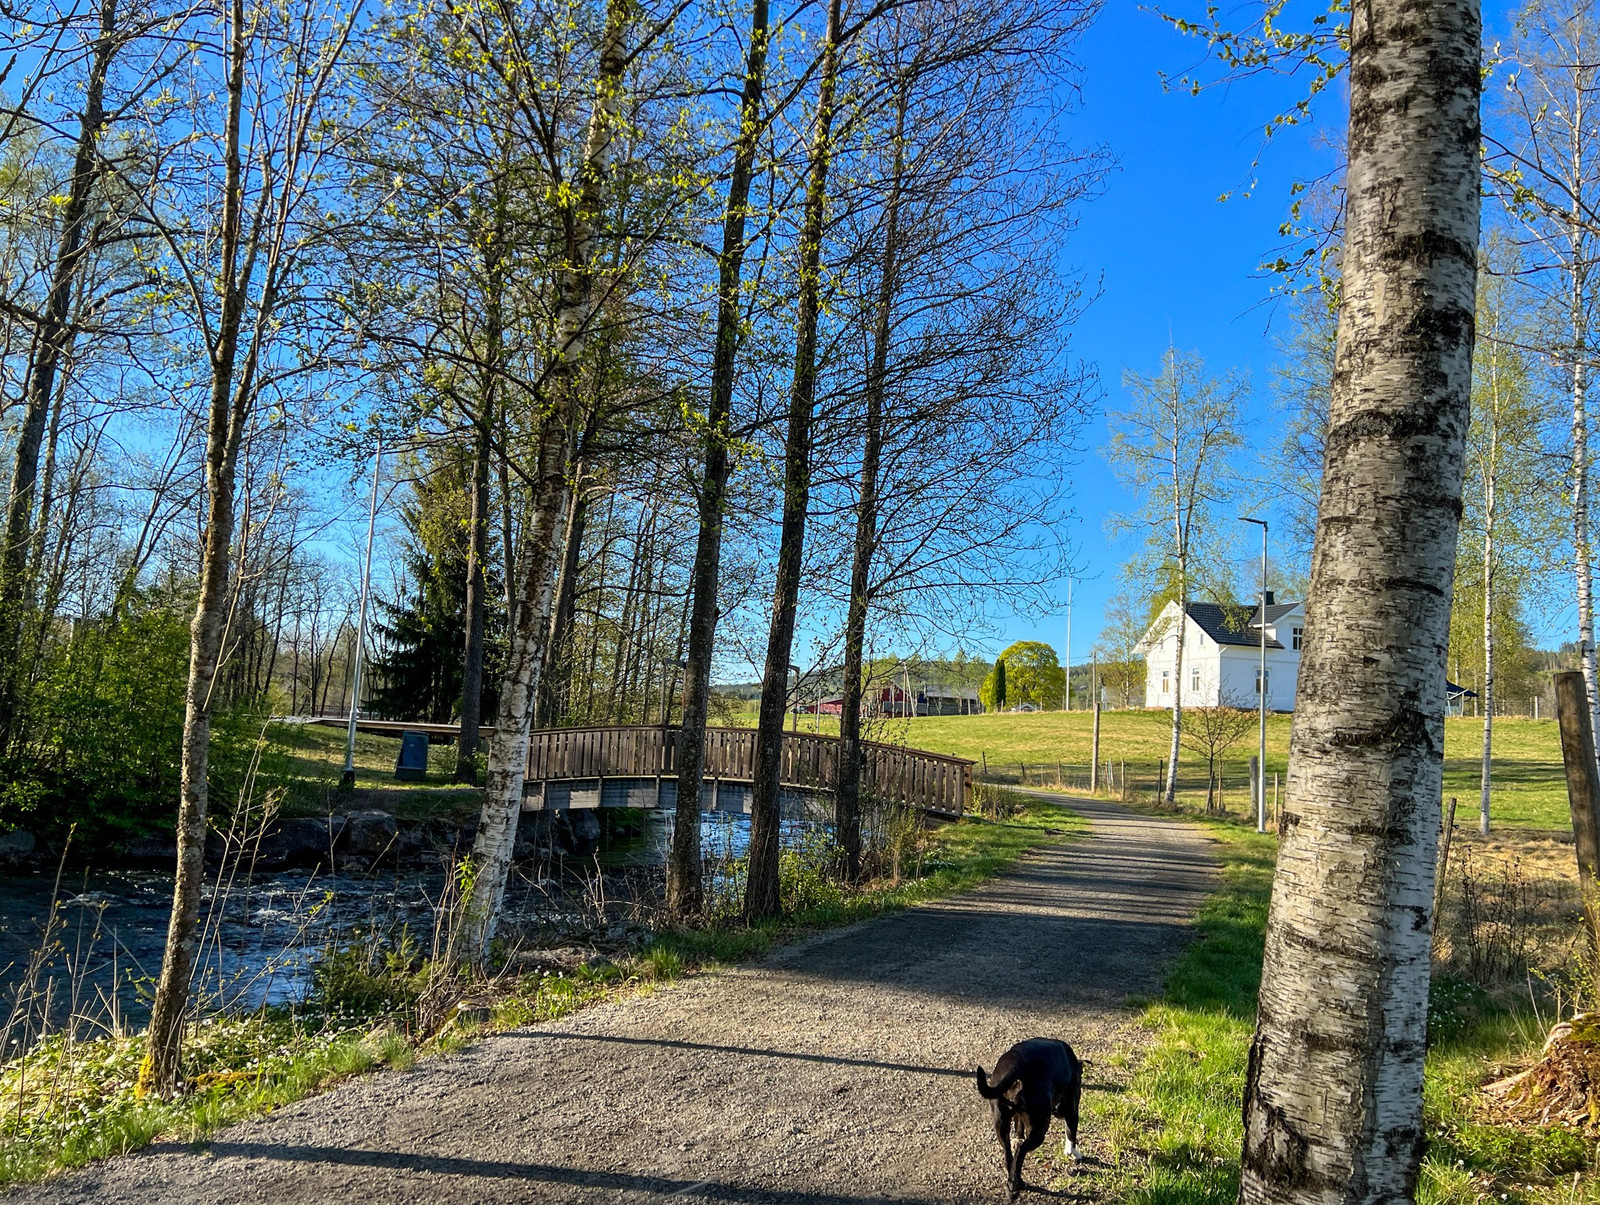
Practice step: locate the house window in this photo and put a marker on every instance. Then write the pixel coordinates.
(1258, 680)
(1194, 679)
(1166, 681)
(1299, 635)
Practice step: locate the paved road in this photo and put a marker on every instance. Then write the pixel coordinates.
(836, 1072)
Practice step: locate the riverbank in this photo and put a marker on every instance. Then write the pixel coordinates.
(73, 1100)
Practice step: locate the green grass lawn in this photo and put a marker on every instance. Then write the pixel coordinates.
(1174, 1133)
(1529, 786)
(309, 759)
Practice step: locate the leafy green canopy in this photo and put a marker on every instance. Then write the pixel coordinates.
(104, 727)
(1026, 672)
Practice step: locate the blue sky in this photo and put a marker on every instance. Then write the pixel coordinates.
(1175, 261)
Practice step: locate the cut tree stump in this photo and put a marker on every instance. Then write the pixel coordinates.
(1563, 1087)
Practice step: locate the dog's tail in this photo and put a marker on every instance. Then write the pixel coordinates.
(993, 1091)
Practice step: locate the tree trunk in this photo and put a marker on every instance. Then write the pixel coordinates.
(761, 883)
(1333, 1094)
(508, 747)
(224, 429)
(847, 799)
(472, 654)
(684, 890)
(553, 691)
(52, 335)
(1580, 494)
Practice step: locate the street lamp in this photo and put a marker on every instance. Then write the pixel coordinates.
(1261, 687)
(1066, 702)
(347, 780)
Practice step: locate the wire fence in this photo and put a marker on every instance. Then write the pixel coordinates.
(1138, 781)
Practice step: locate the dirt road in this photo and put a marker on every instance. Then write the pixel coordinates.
(838, 1071)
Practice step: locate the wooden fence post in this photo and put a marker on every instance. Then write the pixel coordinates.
(1583, 789)
(1449, 819)
(1094, 753)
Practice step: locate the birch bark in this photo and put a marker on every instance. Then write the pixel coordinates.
(541, 550)
(1486, 774)
(1333, 1096)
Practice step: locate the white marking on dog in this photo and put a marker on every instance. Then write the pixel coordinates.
(1069, 1149)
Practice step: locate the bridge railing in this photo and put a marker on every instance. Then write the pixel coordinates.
(810, 761)
(917, 778)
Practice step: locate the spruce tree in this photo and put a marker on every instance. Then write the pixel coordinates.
(417, 672)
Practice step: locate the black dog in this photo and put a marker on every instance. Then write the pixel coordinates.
(1032, 1082)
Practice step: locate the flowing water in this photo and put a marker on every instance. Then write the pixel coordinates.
(263, 934)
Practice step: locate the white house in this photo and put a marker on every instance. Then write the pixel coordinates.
(1222, 655)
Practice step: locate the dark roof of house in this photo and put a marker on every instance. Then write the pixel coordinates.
(1234, 626)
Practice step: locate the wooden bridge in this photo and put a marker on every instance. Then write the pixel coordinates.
(637, 767)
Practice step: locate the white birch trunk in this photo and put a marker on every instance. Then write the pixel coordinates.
(1333, 1099)
(508, 747)
(1580, 497)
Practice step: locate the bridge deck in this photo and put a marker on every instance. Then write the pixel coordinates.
(637, 766)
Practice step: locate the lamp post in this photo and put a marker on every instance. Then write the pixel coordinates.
(347, 780)
(1261, 687)
(1066, 702)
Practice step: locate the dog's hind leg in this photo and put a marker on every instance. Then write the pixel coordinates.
(1002, 1130)
(1069, 1114)
(1032, 1139)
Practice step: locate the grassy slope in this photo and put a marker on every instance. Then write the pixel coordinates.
(1529, 789)
(1174, 1134)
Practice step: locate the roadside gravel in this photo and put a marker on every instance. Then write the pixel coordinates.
(837, 1071)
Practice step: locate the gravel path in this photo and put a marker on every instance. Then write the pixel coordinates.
(838, 1071)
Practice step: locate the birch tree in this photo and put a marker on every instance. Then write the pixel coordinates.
(1507, 524)
(541, 545)
(278, 73)
(1333, 1093)
(1173, 446)
(1543, 156)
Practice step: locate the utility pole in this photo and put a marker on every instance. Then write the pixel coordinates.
(1066, 703)
(347, 780)
(1261, 688)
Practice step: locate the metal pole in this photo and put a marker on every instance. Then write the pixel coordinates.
(1066, 702)
(1261, 688)
(1261, 765)
(347, 780)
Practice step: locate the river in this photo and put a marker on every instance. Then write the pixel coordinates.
(263, 934)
